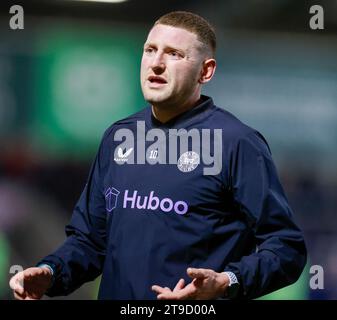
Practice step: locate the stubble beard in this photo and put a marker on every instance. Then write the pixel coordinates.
(159, 99)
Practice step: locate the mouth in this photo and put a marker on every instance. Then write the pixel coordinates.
(156, 80)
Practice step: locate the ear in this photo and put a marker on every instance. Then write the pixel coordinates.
(207, 71)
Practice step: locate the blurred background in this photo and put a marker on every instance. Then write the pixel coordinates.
(74, 69)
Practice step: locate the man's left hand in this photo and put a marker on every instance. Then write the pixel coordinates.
(206, 284)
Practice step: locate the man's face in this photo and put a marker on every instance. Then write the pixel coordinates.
(171, 66)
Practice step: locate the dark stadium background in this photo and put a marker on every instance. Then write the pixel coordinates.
(74, 70)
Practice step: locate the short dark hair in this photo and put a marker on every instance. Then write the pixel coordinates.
(193, 23)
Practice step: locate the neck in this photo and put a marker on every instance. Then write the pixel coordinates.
(166, 113)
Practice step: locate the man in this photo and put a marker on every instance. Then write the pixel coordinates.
(158, 228)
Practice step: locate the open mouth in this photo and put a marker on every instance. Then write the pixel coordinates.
(156, 79)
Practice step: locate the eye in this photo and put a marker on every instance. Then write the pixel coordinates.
(148, 50)
(174, 54)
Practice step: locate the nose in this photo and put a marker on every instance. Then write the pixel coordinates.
(158, 64)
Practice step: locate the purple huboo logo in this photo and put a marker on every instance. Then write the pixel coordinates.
(111, 196)
(151, 202)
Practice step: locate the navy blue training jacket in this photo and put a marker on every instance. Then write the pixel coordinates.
(145, 224)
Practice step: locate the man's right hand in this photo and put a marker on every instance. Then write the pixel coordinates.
(31, 284)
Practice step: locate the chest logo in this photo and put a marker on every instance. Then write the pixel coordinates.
(111, 196)
(122, 156)
(188, 161)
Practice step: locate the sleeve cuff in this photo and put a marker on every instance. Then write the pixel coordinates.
(44, 265)
(232, 278)
(233, 287)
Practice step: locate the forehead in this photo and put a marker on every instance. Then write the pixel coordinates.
(163, 35)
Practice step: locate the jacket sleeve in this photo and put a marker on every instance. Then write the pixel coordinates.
(280, 254)
(81, 257)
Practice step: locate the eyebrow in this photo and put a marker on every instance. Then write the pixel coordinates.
(149, 44)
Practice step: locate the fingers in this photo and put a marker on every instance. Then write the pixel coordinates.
(201, 287)
(179, 285)
(31, 298)
(167, 296)
(18, 296)
(18, 289)
(16, 282)
(32, 272)
(197, 273)
(28, 284)
(179, 292)
(159, 289)
(23, 296)
(182, 294)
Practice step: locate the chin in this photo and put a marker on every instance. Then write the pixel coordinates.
(155, 98)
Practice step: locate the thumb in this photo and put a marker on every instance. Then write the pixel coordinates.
(16, 282)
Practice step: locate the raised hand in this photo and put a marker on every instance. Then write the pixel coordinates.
(206, 284)
(31, 284)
